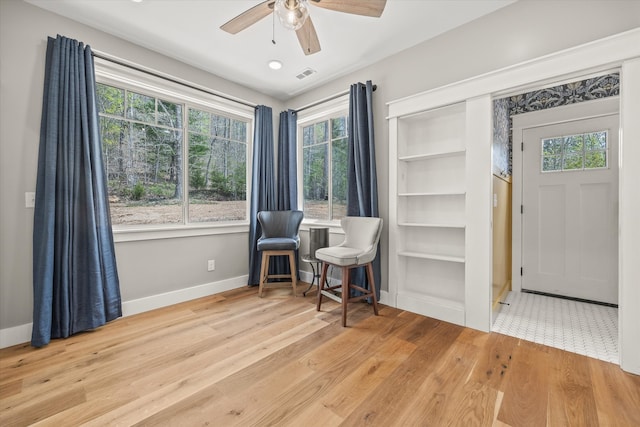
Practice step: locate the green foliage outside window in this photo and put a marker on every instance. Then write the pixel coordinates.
(325, 169)
(575, 152)
(143, 140)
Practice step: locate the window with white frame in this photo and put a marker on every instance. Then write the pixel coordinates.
(575, 152)
(324, 166)
(170, 157)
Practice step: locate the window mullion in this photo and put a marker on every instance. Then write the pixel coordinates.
(330, 174)
(185, 164)
(584, 152)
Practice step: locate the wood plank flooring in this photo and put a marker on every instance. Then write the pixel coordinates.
(234, 359)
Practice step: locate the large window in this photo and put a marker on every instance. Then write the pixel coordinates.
(171, 162)
(324, 168)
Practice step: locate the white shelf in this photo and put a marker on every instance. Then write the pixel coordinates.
(430, 225)
(433, 194)
(435, 257)
(427, 156)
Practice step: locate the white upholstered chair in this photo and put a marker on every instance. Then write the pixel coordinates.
(358, 249)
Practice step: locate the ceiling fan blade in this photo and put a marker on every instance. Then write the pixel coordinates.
(372, 8)
(248, 17)
(308, 38)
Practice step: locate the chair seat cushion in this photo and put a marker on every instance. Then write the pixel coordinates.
(339, 255)
(278, 244)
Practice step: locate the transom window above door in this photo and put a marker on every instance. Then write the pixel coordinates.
(575, 152)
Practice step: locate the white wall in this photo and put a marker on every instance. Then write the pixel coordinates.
(629, 239)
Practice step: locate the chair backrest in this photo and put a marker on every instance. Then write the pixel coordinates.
(280, 223)
(362, 233)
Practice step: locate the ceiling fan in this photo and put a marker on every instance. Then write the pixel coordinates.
(294, 14)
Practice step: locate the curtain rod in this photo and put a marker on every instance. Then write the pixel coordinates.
(133, 67)
(331, 98)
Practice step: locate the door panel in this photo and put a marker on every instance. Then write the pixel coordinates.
(595, 242)
(550, 255)
(569, 224)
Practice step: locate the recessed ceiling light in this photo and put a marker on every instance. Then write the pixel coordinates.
(137, 1)
(275, 64)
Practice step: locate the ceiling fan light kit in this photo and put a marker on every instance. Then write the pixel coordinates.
(294, 15)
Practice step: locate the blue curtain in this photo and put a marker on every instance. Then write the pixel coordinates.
(75, 279)
(287, 164)
(287, 179)
(263, 189)
(362, 184)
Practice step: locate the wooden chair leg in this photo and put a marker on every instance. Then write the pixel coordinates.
(294, 275)
(372, 285)
(345, 294)
(323, 278)
(264, 270)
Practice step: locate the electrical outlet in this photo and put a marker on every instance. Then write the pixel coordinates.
(211, 265)
(29, 200)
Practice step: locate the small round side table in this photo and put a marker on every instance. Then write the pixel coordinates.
(316, 266)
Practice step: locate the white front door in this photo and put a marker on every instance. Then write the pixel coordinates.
(570, 209)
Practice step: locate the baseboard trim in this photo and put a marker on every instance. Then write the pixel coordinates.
(141, 305)
(385, 299)
(16, 335)
(22, 333)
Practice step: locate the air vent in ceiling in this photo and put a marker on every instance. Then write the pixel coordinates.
(306, 73)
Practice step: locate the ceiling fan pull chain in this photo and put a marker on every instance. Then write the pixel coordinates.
(273, 28)
(309, 39)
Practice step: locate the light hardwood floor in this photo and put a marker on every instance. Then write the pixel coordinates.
(235, 359)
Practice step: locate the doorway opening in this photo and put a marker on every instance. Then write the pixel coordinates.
(541, 267)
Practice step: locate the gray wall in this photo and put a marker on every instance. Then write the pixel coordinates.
(524, 30)
(146, 268)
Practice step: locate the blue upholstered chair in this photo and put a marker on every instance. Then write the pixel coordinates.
(359, 248)
(279, 237)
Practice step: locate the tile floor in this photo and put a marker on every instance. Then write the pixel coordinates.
(578, 327)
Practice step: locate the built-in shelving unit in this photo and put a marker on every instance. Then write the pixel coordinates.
(430, 219)
(439, 208)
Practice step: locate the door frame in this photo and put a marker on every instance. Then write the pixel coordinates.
(558, 115)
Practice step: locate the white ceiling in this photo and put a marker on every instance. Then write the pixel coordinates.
(189, 31)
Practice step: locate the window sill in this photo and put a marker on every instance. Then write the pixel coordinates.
(132, 233)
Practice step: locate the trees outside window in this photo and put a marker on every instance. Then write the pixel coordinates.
(170, 163)
(575, 152)
(217, 166)
(324, 168)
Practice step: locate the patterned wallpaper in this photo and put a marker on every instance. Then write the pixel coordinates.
(570, 93)
(501, 137)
